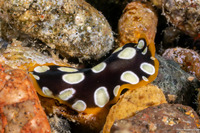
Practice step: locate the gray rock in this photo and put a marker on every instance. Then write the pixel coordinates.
(73, 27)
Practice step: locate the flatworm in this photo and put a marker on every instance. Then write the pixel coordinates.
(91, 89)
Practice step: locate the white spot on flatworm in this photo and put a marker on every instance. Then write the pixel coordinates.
(118, 49)
(73, 78)
(79, 105)
(41, 69)
(129, 77)
(36, 77)
(140, 44)
(67, 69)
(100, 67)
(152, 58)
(101, 96)
(46, 91)
(66, 94)
(116, 90)
(144, 51)
(127, 53)
(147, 68)
(145, 78)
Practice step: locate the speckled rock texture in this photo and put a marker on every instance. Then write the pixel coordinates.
(115, 7)
(177, 85)
(138, 19)
(164, 118)
(188, 59)
(184, 14)
(59, 124)
(133, 101)
(73, 27)
(20, 109)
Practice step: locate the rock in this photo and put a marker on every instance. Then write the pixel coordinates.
(177, 85)
(171, 36)
(133, 101)
(25, 58)
(164, 118)
(138, 19)
(157, 3)
(188, 59)
(59, 124)
(73, 27)
(184, 14)
(115, 10)
(20, 108)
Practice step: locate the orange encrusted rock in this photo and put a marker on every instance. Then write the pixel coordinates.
(133, 101)
(137, 19)
(20, 109)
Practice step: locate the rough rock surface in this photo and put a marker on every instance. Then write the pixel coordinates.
(177, 85)
(73, 27)
(188, 59)
(137, 19)
(20, 109)
(164, 118)
(184, 14)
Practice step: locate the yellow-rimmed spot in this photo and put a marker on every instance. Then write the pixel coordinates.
(66, 94)
(140, 44)
(46, 91)
(129, 77)
(79, 105)
(35, 76)
(100, 67)
(101, 96)
(127, 53)
(73, 78)
(118, 49)
(147, 68)
(145, 78)
(144, 51)
(153, 58)
(67, 69)
(41, 69)
(116, 90)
